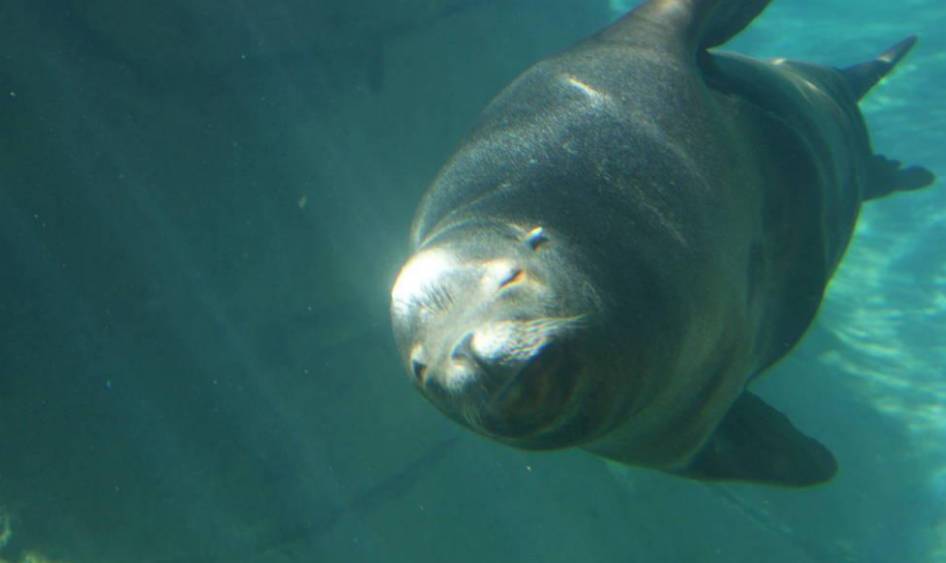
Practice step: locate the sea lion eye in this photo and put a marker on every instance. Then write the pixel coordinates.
(535, 238)
(515, 275)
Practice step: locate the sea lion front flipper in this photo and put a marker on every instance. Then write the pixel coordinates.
(697, 24)
(755, 442)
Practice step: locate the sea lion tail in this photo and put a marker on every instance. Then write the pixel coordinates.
(887, 175)
(862, 77)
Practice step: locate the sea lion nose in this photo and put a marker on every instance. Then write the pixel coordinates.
(485, 352)
(471, 360)
(463, 349)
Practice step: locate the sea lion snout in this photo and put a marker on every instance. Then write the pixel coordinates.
(534, 397)
(488, 323)
(508, 379)
(486, 360)
(510, 383)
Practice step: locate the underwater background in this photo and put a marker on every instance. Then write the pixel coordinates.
(203, 206)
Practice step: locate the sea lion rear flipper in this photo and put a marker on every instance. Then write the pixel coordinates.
(862, 77)
(889, 176)
(755, 442)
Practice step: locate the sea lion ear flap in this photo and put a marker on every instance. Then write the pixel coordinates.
(700, 24)
(757, 443)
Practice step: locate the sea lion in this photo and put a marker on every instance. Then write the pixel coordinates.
(634, 230)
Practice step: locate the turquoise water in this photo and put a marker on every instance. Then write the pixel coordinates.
(202, 210)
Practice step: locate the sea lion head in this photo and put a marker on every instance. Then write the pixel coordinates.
(493, 326)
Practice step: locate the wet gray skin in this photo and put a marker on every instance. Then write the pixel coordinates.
(634, 230)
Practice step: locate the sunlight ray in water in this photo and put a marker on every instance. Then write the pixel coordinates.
(887, 305)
